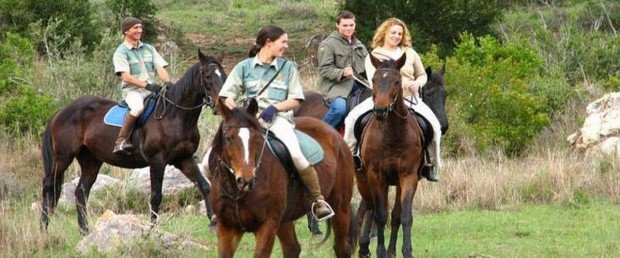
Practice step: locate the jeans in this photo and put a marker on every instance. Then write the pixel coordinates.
(338, 109)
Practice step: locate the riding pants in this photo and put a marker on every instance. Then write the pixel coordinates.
(134, 97)
(285, 131)
(420, 107)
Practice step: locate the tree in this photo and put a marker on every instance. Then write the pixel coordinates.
(431, 21)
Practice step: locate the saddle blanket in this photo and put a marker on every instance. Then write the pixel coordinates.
(116, 115)
(310, 148)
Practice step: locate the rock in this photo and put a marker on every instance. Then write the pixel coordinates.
(68, 189)
(601, 130)
(174, 180)
(113, 231)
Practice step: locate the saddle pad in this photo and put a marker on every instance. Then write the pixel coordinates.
(116, 114)
(310, 148)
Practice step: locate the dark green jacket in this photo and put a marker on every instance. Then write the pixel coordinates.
(336, 53)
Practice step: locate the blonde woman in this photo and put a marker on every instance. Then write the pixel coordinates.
(391, 41)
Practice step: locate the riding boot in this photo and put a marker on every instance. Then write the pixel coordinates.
(320, 208)
(122, 144)
(428, 169)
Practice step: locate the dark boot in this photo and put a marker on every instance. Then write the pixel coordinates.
(320, 208)
(428, 172)
(123, 146)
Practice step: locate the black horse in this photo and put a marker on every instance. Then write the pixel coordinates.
(170, 137)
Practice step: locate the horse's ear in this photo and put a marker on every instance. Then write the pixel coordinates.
(219, 58)
(400, 62)
(222, 108)
(252, 107)
(202, 57)
(429, 71)
(375, 62)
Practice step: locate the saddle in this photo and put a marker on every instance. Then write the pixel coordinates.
(310, 148)
(425, 125)
(116, 114)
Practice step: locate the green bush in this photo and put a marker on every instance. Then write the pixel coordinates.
(578, 38)
(492, 94)
(430, 21)
(29, 111)
(75, 15)
(16, 57)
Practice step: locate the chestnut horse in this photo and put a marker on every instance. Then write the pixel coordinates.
(78, 132)
(253, 192)
(391, 153)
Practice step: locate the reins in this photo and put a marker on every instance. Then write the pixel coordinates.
(236, 197)
(206, 101)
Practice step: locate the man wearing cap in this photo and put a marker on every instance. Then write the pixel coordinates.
(136, 63)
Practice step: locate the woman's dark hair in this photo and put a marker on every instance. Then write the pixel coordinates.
(269, 32)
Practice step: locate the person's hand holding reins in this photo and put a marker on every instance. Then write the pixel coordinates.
(153, 87)
(269, 113)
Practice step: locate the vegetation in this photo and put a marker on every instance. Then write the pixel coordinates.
(518, 75)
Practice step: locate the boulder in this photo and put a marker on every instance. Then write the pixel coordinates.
(600, 132)
(174, 180)
(113, 231)
(68, 189)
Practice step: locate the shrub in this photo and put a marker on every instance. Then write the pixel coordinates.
(29, 111)
(16, 56)
(430, 21)
(17, 15)
(141, 9)
(492, 95)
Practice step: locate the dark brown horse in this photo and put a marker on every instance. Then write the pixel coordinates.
(170, 137)
(253, 192)
(391, 153)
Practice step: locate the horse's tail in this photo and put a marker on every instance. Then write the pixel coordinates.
(52, 183)
(47, 150)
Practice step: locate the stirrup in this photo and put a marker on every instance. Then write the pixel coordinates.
(119, 149)
(357, 161)
(328, 216)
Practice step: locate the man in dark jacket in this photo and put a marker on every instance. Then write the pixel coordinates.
(341, 58)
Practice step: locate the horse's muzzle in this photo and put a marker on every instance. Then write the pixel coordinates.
(245, 185)
(380, 112)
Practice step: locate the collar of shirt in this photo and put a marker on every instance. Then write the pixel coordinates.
(130, 46)
(273, 63)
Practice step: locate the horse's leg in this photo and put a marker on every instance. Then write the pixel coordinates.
(379, 194)
(367, 222)
(190, 169)
(52, 185)
(90, 168)
(265, 237)
(408, 184)
(341, 224)
(395, 224)
(157, 167)
(288, 240)
(227, 241)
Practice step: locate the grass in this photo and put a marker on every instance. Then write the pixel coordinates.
(550, 230)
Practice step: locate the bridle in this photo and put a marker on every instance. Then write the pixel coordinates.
(201, 79)
(232, 194)
(392, 106)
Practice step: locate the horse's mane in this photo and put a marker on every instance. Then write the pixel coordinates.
(183, 87)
